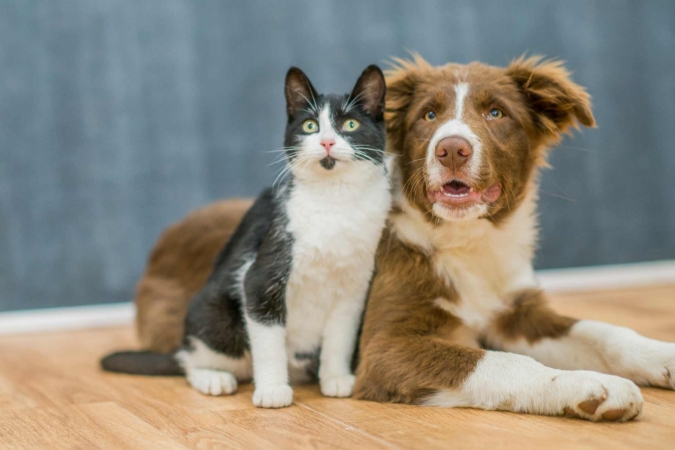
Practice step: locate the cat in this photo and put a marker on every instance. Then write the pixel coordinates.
(285, 300)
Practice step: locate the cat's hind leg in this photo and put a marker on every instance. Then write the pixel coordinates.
(212, 382)
(215, 354)
(211, 372)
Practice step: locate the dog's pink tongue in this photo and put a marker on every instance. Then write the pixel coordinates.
(456, 188)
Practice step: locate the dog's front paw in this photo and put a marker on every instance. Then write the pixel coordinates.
(652, 364)
(599, 397)
(277, 396)
(340, 386)
(669, 376)
(668, 372)
(664, 371)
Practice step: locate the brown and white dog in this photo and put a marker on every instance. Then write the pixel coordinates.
(454, 278)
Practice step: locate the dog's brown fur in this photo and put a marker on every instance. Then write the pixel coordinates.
(393, 333)
(531, 317)
(407, 352)
(178, 266)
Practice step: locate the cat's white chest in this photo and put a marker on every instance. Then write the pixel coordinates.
(336, 230)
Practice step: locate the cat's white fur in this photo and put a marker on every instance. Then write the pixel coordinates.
(336, 218)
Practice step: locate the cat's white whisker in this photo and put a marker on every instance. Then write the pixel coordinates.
(283, 149)
(312, 104)
(352, 102)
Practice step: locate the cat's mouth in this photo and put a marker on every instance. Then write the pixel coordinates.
(327, 163)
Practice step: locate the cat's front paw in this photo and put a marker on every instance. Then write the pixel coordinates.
(340, 386)
(277, 396)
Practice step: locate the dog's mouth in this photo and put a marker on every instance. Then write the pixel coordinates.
(459, 193)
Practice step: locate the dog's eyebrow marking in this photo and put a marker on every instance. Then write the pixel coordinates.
(461, 91)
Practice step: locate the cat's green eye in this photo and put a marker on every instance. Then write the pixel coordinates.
(310, 126)
(350, 125)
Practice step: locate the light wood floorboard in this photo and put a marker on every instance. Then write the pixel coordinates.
(53, 396)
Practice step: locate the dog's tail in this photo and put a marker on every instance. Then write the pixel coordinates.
(142, 363)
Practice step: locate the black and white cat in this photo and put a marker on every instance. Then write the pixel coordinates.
(286, 297)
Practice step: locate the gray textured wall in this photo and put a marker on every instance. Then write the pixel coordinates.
(118, 117)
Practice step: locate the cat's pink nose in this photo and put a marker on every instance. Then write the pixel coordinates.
(327, 144)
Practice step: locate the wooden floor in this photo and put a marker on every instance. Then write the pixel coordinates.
(53, 395)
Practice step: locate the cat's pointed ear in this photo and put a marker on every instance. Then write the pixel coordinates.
(369, 91)
(299, 92)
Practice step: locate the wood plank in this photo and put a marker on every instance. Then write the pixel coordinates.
(54, 395)
(428, 427)
(96, 425)
(53, 375)
(649, 311)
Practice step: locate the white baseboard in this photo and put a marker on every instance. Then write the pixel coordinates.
(557, 280)
(66, 318)
(607, 277)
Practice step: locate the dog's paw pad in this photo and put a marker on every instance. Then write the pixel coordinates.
(273, 396)
(614, 414)
(571, 413)
(340, 386)
(603, 397)
(590, 406)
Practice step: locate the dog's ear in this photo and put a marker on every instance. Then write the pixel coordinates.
(556, 103)
(402, 80)
(299, 92)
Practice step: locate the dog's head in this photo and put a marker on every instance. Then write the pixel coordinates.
(470, 136)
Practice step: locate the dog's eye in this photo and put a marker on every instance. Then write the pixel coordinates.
(495, 113)
(310, 126)
(350, 125)
(430, 116)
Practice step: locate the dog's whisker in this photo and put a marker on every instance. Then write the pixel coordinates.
(557, 196)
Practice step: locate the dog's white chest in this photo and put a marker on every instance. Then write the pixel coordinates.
(485, 275)
(484, 263)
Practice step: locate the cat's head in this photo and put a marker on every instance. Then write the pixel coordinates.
(330, 135)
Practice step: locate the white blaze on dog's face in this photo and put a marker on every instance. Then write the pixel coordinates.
(470, 136)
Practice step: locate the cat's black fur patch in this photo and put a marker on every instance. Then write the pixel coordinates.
(142, 363)
(215, 314)
(311, 360)
(327, 163)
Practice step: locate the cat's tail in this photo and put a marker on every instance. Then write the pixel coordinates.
(142, 363)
